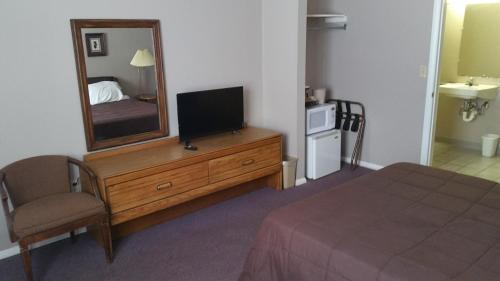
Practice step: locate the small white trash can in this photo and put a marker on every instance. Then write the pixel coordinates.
(289, 171)
(490, 144)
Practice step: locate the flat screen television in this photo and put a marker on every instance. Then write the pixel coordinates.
(209, 112)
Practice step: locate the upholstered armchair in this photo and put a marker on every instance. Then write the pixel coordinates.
(43, 204)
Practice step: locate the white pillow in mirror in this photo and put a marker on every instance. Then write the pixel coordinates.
(105, 91)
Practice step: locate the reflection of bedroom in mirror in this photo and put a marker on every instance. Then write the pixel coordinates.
(122, 92)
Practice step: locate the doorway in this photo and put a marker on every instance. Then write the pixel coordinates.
(463, 107)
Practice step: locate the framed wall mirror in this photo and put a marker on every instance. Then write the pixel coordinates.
(479, 52)
(121, 81)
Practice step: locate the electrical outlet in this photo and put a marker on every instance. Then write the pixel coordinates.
(422, 72)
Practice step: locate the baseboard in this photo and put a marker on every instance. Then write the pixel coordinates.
(14, 250)
(7, 253)
(364, 164)
(300, 181)
(460, 143)
(477, 146)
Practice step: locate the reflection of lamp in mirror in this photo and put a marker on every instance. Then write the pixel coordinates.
(142, 58)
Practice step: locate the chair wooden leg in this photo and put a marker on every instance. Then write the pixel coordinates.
(25, 254)
(72, 237)
(106, 239)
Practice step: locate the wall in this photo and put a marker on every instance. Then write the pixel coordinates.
(452, 38)
(376, 61)
(121, 45)
(206, 44)
(449, 124)
(283, 73)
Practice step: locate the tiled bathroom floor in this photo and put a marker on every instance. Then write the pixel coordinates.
(464, 161)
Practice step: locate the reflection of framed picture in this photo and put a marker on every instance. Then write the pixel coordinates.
(96, 44)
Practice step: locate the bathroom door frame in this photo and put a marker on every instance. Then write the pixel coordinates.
(431, 97)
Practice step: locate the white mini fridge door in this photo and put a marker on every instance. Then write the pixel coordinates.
(323, 153)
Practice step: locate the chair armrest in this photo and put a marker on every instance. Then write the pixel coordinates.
(5, 205)
(90, 173)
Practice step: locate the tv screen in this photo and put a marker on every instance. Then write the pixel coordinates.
(208, 112)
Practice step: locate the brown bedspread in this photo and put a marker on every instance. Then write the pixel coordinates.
(124, 118)
(119, 111)
(404, 222)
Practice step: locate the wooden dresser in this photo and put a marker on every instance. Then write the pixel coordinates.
(146, 184)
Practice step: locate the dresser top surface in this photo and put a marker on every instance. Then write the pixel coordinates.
(130, 159)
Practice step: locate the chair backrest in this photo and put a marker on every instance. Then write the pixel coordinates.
(36, 177)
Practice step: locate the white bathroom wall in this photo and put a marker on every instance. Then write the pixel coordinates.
(450, 126)
(452, 129)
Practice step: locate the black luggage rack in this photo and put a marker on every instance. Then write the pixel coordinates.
(352, 121)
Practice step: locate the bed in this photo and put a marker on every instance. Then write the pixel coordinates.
(122, 116)
(404, 222)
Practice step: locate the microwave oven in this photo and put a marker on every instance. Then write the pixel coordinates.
(320, 118)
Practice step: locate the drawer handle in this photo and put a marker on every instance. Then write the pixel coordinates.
(163, 186)
(248, 162)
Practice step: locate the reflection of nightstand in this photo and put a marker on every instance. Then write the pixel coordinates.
(146, 97)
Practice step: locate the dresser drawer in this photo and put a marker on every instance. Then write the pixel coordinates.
(148, 189)
(244, 162)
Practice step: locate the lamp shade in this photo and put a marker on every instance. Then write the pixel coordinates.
(142, 58)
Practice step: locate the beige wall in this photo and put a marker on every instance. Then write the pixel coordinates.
(283, 64)
(449, 124)
(376, 61)
(206, 44)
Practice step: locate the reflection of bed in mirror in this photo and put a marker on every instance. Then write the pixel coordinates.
(117, 115)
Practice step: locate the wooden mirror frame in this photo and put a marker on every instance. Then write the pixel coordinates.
(78, 45)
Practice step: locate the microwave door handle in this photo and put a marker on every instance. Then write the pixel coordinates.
(308, 120)
(309, 113)
(330, 118)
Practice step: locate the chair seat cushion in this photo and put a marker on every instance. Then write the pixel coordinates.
(53, 211)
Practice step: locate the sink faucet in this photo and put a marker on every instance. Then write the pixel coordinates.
(470, 82)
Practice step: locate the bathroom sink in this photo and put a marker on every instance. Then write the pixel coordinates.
(463, 91)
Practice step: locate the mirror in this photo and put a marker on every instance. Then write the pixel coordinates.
(121, 81)
(479, 51)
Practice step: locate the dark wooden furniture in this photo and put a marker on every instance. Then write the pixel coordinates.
(92, 142)
(146, 98)
(44, 206)
(148, 183)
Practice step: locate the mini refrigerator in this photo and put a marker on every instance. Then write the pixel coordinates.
(323, 153)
